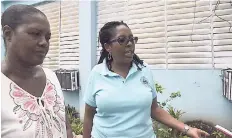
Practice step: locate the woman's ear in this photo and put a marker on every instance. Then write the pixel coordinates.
(7, 33)
(107, 47)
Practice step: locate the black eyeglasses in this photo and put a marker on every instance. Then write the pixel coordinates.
(125, 40)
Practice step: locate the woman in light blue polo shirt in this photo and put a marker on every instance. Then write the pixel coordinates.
(120, 96)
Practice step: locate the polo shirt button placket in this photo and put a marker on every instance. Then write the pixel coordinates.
(123, 80)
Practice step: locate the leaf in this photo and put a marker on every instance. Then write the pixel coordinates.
(45, 118)
(27, 124)
(16, 108)
(175, 94)
(60, 116)
(22, 113)
(57, 124)
(159, 88)
(62, 108)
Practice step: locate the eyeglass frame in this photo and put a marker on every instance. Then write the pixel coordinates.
(135, 40)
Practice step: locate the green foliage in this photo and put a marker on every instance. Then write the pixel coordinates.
(77, 126)
(159, 88)
(218, 134)
(75, 122)
(163, 131)
(160, 130)
(174, 95)
(174, 112)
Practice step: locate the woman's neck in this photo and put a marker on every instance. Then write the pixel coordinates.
(121, 68)
(17, 68)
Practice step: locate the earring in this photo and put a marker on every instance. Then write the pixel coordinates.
(109, 56)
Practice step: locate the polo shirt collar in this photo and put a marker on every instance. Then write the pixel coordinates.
(106, 72)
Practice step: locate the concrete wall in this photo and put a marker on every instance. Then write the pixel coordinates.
(87, 32)
(201, 94)
(72, 98)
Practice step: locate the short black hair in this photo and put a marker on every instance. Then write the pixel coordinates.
(105, 35)
(13, 16)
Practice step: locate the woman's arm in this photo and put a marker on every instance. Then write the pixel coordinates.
(88, 120)
(164, 117)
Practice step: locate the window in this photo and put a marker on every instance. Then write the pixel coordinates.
(64, 43)
(69, 35)
(222, 34)
(109, 11)
(187, 34)
(52, 11)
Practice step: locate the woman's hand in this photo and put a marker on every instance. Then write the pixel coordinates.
(196, 133)
(164, 117)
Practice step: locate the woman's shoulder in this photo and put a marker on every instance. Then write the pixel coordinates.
(147, 69)
(146, 66)
(50, 74)
(98, 69)
(47, 71)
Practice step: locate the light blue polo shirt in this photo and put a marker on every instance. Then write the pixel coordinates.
(123, 105)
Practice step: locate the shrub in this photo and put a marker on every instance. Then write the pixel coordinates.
(163, 131)
(208, 127)
(74, 119)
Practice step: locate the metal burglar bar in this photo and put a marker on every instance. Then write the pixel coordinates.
(227, 83)
(69, 79)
